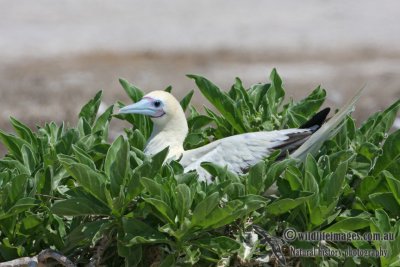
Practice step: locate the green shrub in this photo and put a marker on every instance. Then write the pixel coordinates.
(69, 189)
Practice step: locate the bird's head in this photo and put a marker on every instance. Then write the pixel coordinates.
(160, 106)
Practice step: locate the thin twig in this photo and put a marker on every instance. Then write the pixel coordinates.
(25, 261)
(97, 258)
(52, 254)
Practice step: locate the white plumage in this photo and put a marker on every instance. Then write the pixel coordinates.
(237, 152)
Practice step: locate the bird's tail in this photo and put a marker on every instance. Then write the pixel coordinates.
(317, 120)
(327, 130)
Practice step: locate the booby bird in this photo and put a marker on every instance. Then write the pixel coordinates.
(237, 152)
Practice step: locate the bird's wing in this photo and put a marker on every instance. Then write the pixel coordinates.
(239, 152)
(327, 130)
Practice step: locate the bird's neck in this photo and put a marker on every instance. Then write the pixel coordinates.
(170, 134)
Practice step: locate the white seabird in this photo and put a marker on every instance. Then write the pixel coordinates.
(237, 152)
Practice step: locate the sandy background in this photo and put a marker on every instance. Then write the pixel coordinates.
(54, 55)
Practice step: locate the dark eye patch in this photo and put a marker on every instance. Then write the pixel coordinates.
(157, 103)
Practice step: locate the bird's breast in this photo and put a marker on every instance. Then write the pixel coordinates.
(158, 143)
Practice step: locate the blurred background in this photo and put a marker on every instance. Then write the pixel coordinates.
(54, 55)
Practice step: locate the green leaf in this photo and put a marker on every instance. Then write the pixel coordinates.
(66, 159)
(102, 123)
(381, 222)
(387, 201)
(221, 172)
(276, 169)
(158, 159)
(155, 189)
(224, 215)
(133, 254)
(367, 186)
(14, 164)
(168, 89)
(164, 210)
(235, 190)
(13, 144)
(334, 184)
(183, 201)
(24, 132)
(240, 94)
(254, 181)
(89, 110)
(192, 256)
(136, 139)
(133, 186)
(64, 144)
(368, 150)
(322, 212)
(311, 166)
(348, 224)
(390, 158)
(134, 93)
(186, 178)
(168, 261)
(221, 101)
(221, 245)
(17, 187)
(139, 232)
(284, 205)
(257, 93)
(92, 181)
(186, 100)
(30, 223)
(116, 164)
(198, 122)
(380, 122)
(310, 183)
(83, 234)
(28, 158)
(204, 208)
(232, 211)
(274, 96)
(294, 177)
(394, 185)
(83, 157)
(194, 140)
(79, 207)
(299, 112)
(9, 251)
(21, 205)
(248, 204)
(83, 127)
(224, 127)
(336, 158)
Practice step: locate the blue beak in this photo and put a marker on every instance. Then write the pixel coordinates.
(143, 107)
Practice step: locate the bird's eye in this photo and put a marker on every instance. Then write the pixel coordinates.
(157, 103)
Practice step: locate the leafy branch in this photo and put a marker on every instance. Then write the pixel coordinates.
(70, 189)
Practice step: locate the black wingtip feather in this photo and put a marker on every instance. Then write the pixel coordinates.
(317, 120)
